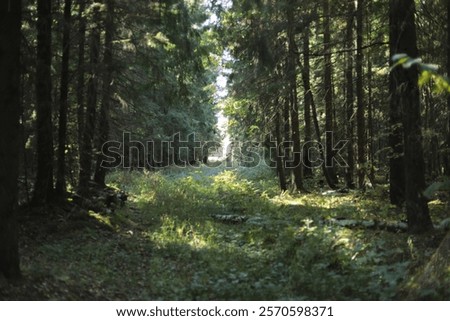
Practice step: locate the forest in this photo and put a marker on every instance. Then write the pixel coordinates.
(224, 150)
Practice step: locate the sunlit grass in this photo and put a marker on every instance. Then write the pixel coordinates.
(284, 244)
(166, 245)
(286, 235)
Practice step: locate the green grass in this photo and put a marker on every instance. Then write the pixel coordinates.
(164, 244)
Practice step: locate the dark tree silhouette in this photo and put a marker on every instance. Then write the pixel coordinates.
(406, 95)
(100, 172)
(60, 187)
(91, 105)
(293, 99)
(81, 70)
(328, 97)
(308, 98)
(360, 113)
(350, 97)
(43, 189)
(10, 23)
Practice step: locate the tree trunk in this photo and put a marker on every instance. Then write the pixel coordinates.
(360, 117)
(432, 282)
(403, 40)
(328, 87)
(280, 154)
(370, 103)
(10, 24)
(370, 147)
(287, 144)
(447, 152)
(91, 106)
(308, 172)
(43, 188)
(81, 72)
(100, 172)
(350, 99)
(396, 157)
(60, 187)
(292, 78)
(306, 79)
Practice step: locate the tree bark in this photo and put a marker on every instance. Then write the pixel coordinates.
(43, 188)
(292, 79)
(447, 153)
(91, 106)
(404, 40)
(360, 117)
(396, 158)
(370, 128)
(431, 282)
(81, 71)
(370, 103)
(100, 172)
(10, 24)
(60, 188)
(328, 87)
(307, 96)
(287, 143)
(280, 154)
(350, 98)
(306, 79)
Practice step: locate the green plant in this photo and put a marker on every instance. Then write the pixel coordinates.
(428, 72)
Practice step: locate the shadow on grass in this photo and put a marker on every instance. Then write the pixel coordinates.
(166, 245)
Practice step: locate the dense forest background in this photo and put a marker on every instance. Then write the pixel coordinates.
(345, 102)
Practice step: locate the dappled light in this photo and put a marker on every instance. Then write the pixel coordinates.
(285, 250)
(224, 150)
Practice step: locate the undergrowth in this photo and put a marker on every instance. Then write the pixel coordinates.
(166, 245)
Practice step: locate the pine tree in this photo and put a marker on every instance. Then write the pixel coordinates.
(10, 35)
(403, 40)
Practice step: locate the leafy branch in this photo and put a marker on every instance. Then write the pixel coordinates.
(441, 84)
(428, 72)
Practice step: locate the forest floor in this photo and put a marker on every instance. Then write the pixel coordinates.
(217, 234)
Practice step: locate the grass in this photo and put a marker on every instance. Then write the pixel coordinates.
(164, 244)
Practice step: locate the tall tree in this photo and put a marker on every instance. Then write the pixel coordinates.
(287, 146)
(308, 98)
(350, 97)
(305, 69)
(370, 108)
(447, 154)
(396, 158)
(10, 23)
(328, 97)
(91, 104)
(293, 99)
(360, 115)
(81, 69)
(403, 39)
(280, 159)
(60, 187)
(43, 188)
(100, 171)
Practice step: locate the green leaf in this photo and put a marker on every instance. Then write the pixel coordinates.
(429, 67)
(410, 62)
(397, 57)
(425, 77)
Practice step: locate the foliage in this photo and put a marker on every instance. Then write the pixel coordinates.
(164, 67)
(166, 75)
(164, 245)
(428, 72)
